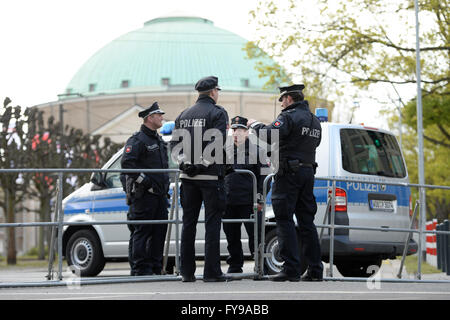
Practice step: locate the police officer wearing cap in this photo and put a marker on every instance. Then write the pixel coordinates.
(146, 193)
(292, 191)
(202, 177)
(243, 155)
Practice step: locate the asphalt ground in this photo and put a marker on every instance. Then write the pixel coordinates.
(382, 287)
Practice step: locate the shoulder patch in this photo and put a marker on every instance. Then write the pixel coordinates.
(128, 148)
(277, 123)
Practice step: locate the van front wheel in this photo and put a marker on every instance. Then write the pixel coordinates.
(84, 253)
(273, 263)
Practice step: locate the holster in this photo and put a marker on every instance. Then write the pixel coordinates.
(293, 165)
(288, 166)
(129, 189)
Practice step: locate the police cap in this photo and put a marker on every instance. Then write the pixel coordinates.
(290, 89)
(239, 122)
(154, 108)
(207, 83)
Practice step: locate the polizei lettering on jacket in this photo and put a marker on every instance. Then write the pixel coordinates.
(189, 123)
(315, 133)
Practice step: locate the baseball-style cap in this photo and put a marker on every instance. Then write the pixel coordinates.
(207, 83)
(239, 122)
(290, 89)
(154, 108)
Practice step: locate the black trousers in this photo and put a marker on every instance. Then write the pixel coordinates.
(292, 193)
(146, 246)
(193, 194)
(233, 233)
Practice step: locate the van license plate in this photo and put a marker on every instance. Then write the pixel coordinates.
(384, 205)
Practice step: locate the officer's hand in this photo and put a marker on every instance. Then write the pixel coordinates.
(190, 170)
(228, 169)
(259, 206)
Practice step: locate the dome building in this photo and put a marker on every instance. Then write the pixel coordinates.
(161, 62)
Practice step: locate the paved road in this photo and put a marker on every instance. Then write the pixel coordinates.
(245, 289)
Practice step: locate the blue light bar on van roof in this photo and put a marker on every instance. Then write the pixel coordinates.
(322, 114)
(167, 127)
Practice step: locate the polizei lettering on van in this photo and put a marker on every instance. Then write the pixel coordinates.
(358, 186)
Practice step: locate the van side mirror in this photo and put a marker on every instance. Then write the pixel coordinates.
(98, 180)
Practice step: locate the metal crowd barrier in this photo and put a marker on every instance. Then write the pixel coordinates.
(59, 224)
(332, 226)
(259, 248)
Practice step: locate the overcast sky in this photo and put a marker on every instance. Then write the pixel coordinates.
(43, 43)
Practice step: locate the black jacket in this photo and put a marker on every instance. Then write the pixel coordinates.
(146, 149)
(239, 186)
(299, 132)
(203, 115)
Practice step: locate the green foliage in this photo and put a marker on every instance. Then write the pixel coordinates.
(30, 141)
(339, 47)
(336, 45)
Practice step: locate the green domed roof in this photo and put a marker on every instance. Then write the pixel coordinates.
(168, 53)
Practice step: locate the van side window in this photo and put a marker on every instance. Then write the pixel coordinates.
(112, 179)
(371, 152)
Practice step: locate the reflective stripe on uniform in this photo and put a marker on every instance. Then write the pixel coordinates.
(199, 177)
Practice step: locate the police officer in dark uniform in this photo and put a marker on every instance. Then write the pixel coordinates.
(202, 127)
(300, 134)
(243, 155)
(146, 193)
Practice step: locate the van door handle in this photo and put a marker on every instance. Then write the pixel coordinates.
(384, 227)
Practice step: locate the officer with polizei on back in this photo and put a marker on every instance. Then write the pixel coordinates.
(292, 191)
(146, 193)
(202, 127)
(243, 155)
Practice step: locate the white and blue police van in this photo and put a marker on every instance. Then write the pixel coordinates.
(346, 151)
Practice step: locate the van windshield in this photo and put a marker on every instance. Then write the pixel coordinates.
(371, 152)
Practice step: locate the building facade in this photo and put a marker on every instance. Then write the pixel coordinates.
(161, 62)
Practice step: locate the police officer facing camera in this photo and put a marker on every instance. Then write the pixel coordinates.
(202, 178)
(146, 193)
(292, 191)
(243, 155)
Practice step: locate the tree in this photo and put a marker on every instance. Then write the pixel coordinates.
(436, 151)
(341, 47)
(337, 47)
(13, 154)
(28, 142)
(51, 148)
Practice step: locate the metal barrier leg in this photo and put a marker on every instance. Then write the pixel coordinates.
(447, 247)
(419, 263)
(257, 268)
(331, 258)
(263, 227)
(177, 225)
(443, 249)
(169, 231)
(438, 248)
(327, 213)
(52, 247)
(408, 238)
(60, 225)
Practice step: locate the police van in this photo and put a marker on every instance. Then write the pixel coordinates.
(346, 151)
